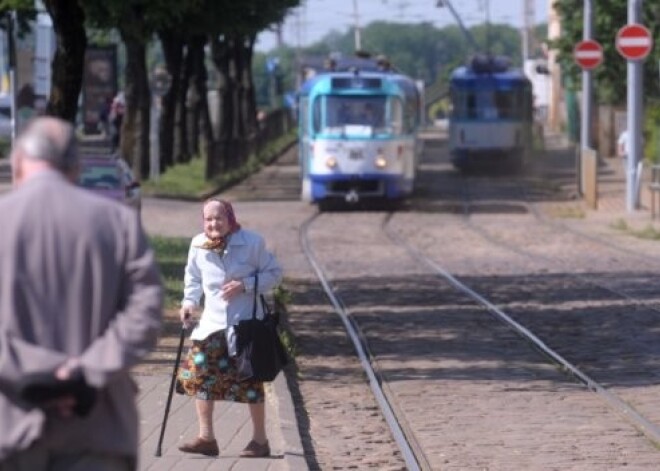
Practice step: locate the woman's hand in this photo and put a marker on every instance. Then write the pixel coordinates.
(231, 289)
(186, 316)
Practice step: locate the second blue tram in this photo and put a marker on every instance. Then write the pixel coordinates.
(492, 115)
(358, 136)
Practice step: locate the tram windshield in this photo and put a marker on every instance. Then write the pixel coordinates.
(489, 104)
(359, 116)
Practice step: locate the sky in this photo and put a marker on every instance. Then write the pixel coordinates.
(315, 18)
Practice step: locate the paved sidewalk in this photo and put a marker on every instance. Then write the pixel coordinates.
(232, 421)
(611, 204)
(232, 426)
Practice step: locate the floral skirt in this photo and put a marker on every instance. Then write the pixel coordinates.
(209, 373)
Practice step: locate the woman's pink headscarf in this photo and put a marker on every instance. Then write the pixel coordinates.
(226, 208)
(220, 244)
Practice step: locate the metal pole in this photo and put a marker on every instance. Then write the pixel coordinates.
(154, 164)
(466, 32)
(586, 140)
(11, 23)
(356, 15)
(635, 116)
(525, 33)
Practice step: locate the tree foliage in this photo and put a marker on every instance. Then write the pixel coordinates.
(608, 17)
(419, 50)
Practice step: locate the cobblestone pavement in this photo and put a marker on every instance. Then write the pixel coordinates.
(476, 396)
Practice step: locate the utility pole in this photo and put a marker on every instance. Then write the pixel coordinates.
(528, 24)
(586, 140)
(11, 49)
(356, 18)
(635, 115)
(278, 35)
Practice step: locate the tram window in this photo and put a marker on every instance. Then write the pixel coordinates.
(316, 115)
(471, 101)
(354, 110)
(304, 105)
(396, 117)
(410, 116)
(504, 102)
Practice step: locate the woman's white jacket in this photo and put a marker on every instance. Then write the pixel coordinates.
(207, 271)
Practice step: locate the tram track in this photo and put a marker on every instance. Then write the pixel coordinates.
(558, 261)
(410, 446)
(648, 428)
(623, 406)
(411, 452)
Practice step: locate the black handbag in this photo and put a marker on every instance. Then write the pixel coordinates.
(260, 354)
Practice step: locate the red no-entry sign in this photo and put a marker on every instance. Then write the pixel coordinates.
(588, 54)
(634, 42)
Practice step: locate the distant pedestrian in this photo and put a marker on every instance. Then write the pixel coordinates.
(117, 111)
(104, 117)
(622, 145)
(223, 262)
(80, 304)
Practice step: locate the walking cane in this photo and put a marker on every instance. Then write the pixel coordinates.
(169, 396)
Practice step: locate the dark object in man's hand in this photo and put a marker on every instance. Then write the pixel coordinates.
(41, 388)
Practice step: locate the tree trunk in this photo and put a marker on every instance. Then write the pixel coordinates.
(172, 44)
(200, 79)
(241, 129)
(220, 52)
(183, 130)
(251, 93)
(135, 127)
(237, 149)
(68, 64)
(195, 49)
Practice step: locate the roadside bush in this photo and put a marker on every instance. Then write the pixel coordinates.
(652, 131)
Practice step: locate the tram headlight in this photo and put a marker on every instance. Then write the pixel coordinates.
(380, 161)
(331, 162)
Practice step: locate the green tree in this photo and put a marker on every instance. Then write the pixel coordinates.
(609, 17)
(419, 50)
(136, 21)
(232, 28)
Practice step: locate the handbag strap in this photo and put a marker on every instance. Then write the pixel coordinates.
(256, 288)
(257, 297)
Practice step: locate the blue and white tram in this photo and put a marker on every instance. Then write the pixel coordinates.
(492, 114)
(358, 136)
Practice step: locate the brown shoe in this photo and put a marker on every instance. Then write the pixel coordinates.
(254, 450)
(201, 446)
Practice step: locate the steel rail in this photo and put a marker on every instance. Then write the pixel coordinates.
(414, 461)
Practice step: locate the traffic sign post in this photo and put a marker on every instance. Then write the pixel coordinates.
(634, 42)
(588, 54)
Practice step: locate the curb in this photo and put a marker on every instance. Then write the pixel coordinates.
(294, 455)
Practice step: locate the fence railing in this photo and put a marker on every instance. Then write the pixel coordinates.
(236, 152)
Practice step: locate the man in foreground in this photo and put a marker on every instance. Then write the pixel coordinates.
(80, 303)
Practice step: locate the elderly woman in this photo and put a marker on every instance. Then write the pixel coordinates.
(223, 264)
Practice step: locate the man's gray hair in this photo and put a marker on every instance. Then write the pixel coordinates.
(50, 140)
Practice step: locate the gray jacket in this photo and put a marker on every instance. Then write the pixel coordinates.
(77, 278)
